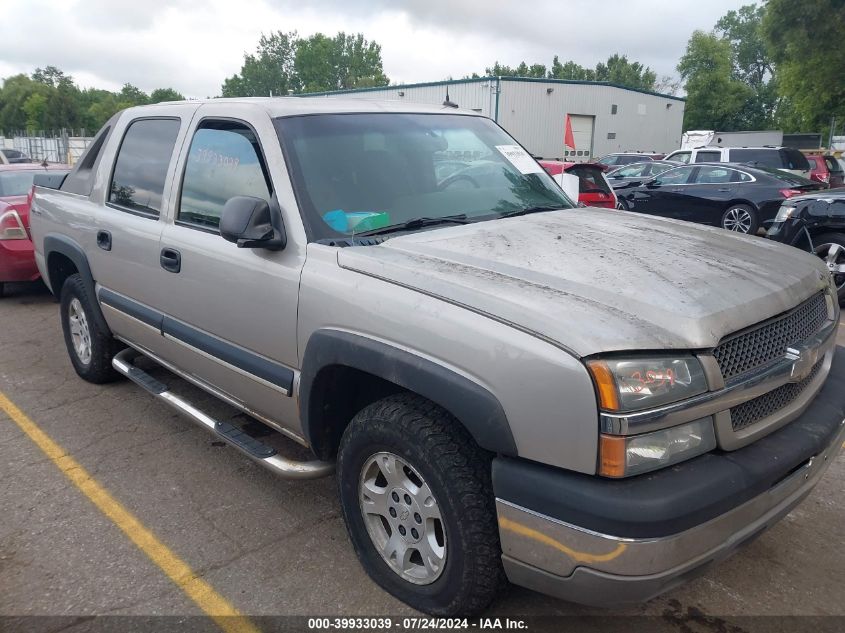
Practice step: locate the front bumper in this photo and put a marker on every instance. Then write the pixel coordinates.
(17, 261)
(612, 542)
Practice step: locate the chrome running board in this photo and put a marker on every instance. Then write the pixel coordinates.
(253, 448)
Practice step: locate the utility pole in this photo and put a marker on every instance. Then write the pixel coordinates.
(832, 131)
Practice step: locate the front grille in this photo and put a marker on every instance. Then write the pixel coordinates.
(747, 351)
(763, 406)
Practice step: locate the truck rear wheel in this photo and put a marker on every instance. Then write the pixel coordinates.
(90, 349)
(419, 507)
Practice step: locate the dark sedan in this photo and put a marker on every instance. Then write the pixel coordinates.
(735, 197)
(815, 222)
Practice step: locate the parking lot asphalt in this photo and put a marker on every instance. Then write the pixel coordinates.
(266, 545)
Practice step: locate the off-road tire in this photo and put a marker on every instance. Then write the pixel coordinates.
(103, 345)
(458, 473)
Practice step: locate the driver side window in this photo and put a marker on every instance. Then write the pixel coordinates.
(224, 161)
(632, 171)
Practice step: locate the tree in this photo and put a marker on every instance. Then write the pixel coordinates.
(165, 94)
(751, 64)
(804, 40)
(35, 108)
(338, 63)
(618, 70)
(570, 70)
(714, 97)
(269, 71)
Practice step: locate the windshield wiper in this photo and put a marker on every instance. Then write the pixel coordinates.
(527, 210)
(417, 223)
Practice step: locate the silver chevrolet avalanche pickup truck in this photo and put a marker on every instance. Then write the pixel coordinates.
(593, 404)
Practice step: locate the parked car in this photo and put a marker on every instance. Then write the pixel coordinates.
(785, 159)
(637, 173)
(17, 261)
(593, 188)
(735, 197)
(13, 156)
(625, 158)
(815, 222)
(577, 400)
(826, 170)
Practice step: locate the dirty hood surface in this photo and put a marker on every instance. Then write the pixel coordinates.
(592, 280)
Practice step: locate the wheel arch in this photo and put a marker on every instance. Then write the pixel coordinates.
(64, 257)
(342, 372)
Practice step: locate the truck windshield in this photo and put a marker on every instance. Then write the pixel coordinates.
(356, 173)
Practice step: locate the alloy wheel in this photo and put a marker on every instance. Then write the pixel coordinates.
(834, 256)
(79, 332)
(402, 518)
(737, 219)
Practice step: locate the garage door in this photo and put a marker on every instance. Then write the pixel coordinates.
(582, 131)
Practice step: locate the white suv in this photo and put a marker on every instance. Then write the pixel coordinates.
(782, 158)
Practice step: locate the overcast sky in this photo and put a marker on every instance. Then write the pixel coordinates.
(193, 45)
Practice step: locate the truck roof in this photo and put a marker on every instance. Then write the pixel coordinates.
(288, 106)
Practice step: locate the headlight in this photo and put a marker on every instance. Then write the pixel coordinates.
(626, 385)
(623, 456)
(784, 213)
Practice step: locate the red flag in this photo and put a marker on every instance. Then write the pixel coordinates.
(568, 136)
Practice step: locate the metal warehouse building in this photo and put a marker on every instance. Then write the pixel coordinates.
(605, 117)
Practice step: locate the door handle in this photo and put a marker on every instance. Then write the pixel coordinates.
(676, 190)
(723, 190)
(104, 240)
(171, 260)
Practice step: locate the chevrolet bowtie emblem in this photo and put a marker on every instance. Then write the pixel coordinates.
(804, 361)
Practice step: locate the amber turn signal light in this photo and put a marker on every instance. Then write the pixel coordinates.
(605, 385)
(611, 456)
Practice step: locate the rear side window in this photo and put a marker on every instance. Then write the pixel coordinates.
(708, 157)
(590, 180)
(832, 164)
(714, 175)
(224, 161)
(762, 157)
(793, 159)
(140, 170)
(813, 164)
(681, 157)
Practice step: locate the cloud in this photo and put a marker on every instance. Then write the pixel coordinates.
(193, 45)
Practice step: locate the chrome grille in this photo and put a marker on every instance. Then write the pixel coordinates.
(748, 413)
(747, 351)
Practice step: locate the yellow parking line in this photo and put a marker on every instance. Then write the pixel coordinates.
(203, 594)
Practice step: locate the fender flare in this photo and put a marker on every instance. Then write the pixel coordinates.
(473, 405)
(56, 243)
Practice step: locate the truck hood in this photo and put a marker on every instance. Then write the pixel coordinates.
(594, 280)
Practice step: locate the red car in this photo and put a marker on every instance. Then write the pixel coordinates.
(17, 259)
(593, 188)
(827, 170)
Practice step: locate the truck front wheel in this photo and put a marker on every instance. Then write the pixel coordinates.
(418, 503)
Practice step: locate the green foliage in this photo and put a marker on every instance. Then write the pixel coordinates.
(49, 100)
(338, 63)
(805, 42)
(286, 64)
(714, 97)
(165, 94)
(570, 70)
(269, 71)
(617, 70)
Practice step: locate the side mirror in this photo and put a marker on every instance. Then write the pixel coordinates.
(253, 223)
